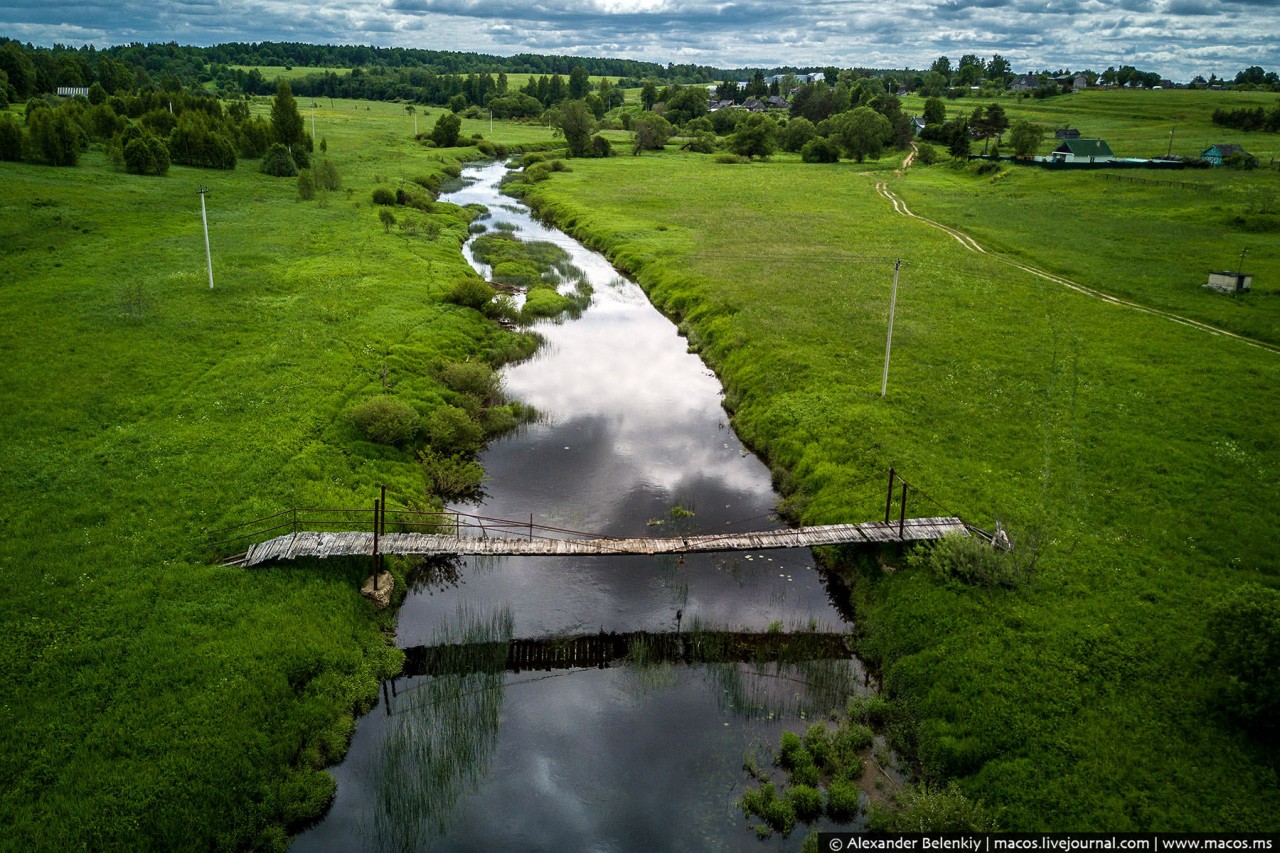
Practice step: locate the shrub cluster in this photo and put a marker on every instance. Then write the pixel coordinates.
(385, 419)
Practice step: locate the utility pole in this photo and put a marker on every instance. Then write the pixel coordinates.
(313, 122)
(888, 344)
(491, 122)
(202, 189)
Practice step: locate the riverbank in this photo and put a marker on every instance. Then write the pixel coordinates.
(1079, 699)
(154, 699)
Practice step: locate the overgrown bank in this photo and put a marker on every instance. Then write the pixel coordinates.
(1082, 698)
(154, 699)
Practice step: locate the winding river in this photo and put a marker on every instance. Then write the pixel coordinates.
(649, 754)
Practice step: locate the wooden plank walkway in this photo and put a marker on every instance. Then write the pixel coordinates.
(312, 544)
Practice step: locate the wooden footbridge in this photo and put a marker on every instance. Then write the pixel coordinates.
(324, 533)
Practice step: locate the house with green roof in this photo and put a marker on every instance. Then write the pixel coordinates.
(1215, 154)
(1082, 151)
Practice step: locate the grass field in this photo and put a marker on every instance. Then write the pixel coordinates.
(1151, 237)
(1142, 454)
(1135, 123)
(153, 700)
(156, 700)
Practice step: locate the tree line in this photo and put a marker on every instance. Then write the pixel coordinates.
(1246, 118)
(145, 133)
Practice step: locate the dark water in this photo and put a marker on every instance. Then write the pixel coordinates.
(633, 442)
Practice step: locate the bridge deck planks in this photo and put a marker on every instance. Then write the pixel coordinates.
(347, 544)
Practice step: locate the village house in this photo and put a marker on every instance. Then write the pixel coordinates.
(1216, 154)
(1082, 151)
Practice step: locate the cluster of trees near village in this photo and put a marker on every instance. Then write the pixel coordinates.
(145, 132)
(151, 105)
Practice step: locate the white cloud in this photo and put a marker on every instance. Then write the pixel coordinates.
(1178, 38)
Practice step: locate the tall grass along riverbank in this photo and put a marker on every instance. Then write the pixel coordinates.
(1134, 456)
(153, 699)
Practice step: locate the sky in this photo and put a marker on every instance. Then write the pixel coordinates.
(1176, 38)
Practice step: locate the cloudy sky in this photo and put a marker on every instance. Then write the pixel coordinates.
(1178, 38)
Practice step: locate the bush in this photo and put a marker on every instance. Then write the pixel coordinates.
(777, 812)
(872, 710)
(817, 741)
(452, 477)
(728, 158)
(474, 378)
(923, 809)
(146, 155)
(306, 185)
(10, 139)
(55, 138)
(842, 801)
(600, 147)
(792, 752)
(430, 183)
(470, 293)
(450, 430)
(1244, 633)
(326, 175)
(806, 802)
(255, 137)
(820, 150)
(537, 173)
(926, 154)
(968, 560)
(278, 162)
(385, 420)
(383, 195)
(702, 143)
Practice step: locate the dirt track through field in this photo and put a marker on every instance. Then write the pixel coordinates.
(972, 245)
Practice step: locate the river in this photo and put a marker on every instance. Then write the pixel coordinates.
(632, 441)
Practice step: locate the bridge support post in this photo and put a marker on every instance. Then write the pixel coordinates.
(902, 517)
(888, 502)
(377, 519)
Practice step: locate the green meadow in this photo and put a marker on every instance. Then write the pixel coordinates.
(152, 698)
(156, 699)
(1150, 237)
(1134, 122)
(1135, 458)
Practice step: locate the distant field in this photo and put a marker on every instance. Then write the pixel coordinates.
(286, 72)
(1135, 123)
(1131, 233)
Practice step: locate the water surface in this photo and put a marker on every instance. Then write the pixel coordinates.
(633, 441)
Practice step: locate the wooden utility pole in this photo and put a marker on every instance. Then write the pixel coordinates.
(202, 189)
(888, 344)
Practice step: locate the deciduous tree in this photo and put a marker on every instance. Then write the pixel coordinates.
(1025, 138)
(574, 121)
(862, 133)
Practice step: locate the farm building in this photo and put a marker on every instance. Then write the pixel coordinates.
(1066, 133)
(73, 91)
(1215, 154)
(1082, 151)
(1229, 281)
